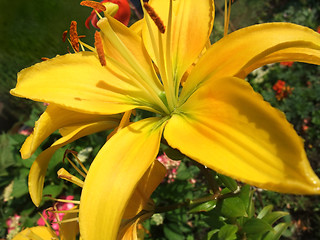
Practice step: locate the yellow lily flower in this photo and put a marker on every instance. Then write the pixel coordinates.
(36, 233)
(140, 206)
(68, 231)
(215, 118)
(72, 126)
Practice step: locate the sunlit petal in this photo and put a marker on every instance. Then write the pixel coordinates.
(188, 18)
(228, 127)
(78, 82)
(35, 233)
(69, 230)
(118, 167)
(127, 39)
(140, 200)
(55, 118)
(147, 184)
(39, 167)
(305, 55)
(243, 48)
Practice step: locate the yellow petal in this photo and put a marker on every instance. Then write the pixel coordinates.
(137, 27)
(122, 43)
(147, 184)
(36, 233)
(140, 200)
(191, 27)
(306, 55)
(228, 127)
(55, 118)
(69, 230)
(243, 48)
(78, 82)
(113, 176)
(39, 167)
(131, 232)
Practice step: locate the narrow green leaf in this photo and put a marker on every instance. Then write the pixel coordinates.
(173, 232)
(277, 231)
(272, 217)
(246, 195)
(203, 207)
(228, 182)
(266, 210)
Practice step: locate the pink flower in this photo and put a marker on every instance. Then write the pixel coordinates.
(123, 14)
(13, 222)
(25, 130)
(305, 126)
(171, 166)
(52, 217)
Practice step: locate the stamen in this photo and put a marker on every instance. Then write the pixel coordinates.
(44, 58)
(74, 36)
(65, 211)
(76, 168)
(69, 220)
(64, 174)
(155, 17)
(63, 200)
(227, 12)
(94, 5)
(99, 46)
(64, 35)
(47, 224)
(74, 154)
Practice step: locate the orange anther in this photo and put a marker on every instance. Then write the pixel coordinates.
(44, 58)
(74, 36)
(99, 46)
(94, 5)
(64, 35)
(155, 17)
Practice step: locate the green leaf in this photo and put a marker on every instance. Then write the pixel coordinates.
(266, 210)
(272, 217)
(20, 187)
(233, 207)
(53, 190)
(211, 233)
(228, 182)
(228, 232)
(173, 232)
(183, 172)
(277, 231)
(256, 226)
(172, 153)
(246, 195)
(203, 207)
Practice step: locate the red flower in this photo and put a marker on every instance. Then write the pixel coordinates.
(288, 64)
(282, 91)
(318, 29)
(123, 14)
